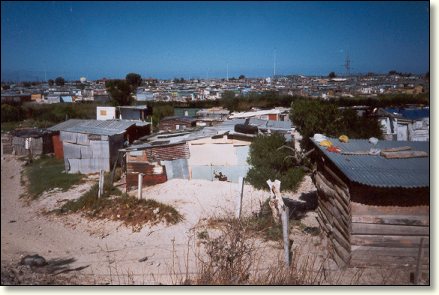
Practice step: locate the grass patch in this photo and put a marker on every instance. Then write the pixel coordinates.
(46, 173)
(114, 205)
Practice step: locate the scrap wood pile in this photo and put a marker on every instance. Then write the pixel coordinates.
(389, 153)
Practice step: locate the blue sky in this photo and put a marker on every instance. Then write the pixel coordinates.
(199, 39)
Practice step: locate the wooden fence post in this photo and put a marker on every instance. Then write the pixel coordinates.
(239, 197)
(101, 183)
(140, 183)
(285, 216)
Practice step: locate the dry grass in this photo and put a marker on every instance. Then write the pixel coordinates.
(114, 205)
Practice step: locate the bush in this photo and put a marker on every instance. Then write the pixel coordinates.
(270, 163)
(11, 113)
(314, 116)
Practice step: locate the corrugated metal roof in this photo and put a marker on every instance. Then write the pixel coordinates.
(99, 127)
(378, 171)
(66, 124)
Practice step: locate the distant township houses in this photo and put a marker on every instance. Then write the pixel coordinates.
(196, 90)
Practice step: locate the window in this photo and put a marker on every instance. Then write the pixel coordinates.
(103, 112)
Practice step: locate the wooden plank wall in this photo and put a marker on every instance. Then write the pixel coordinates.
(334, 214)
(389, 235)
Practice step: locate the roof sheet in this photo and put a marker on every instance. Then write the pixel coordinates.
(378, 171)
(65, 125)
(100, 127)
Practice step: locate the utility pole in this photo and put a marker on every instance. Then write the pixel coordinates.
(227, 72)
(274, 64)
(347, 64)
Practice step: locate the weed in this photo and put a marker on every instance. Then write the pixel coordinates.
(263, 223)
(229, 257)
(114, 205)
(203, 235)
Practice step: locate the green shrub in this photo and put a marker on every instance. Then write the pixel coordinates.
(312, 116)
(267, 162)
(10, 113)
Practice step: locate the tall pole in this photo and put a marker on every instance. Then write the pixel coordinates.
(274, 64)
(227, 72)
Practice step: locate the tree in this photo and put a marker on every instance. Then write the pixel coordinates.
(50, 82)
(269, 160)
(134, 80)
(314, 116)
(228, 100)
(161, 111)
(332, 75)
(120, 92)
(59, 81)
(241, 77)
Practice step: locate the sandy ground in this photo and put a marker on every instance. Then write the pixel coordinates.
(111, 253)
(110, 250)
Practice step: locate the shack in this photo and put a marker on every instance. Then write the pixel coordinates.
(158, 162)
(139, 112)
(91, 145)
(38, 141)
(411, 124)
(374, 209)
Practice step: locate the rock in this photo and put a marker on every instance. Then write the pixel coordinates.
(33, 260)
(143, 259)
(156, 211)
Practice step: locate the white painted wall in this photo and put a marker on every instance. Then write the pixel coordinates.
(105, 113)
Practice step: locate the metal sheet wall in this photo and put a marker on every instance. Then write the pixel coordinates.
(176, 169)
(18, 144)
(68, 136)
(100, 149)
(71, 151)
(82, 139)
(88, 165)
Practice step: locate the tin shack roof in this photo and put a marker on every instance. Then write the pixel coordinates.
(99, 127)
(30, 132)
(378, 171)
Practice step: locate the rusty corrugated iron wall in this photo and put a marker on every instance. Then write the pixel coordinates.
(57, 147)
